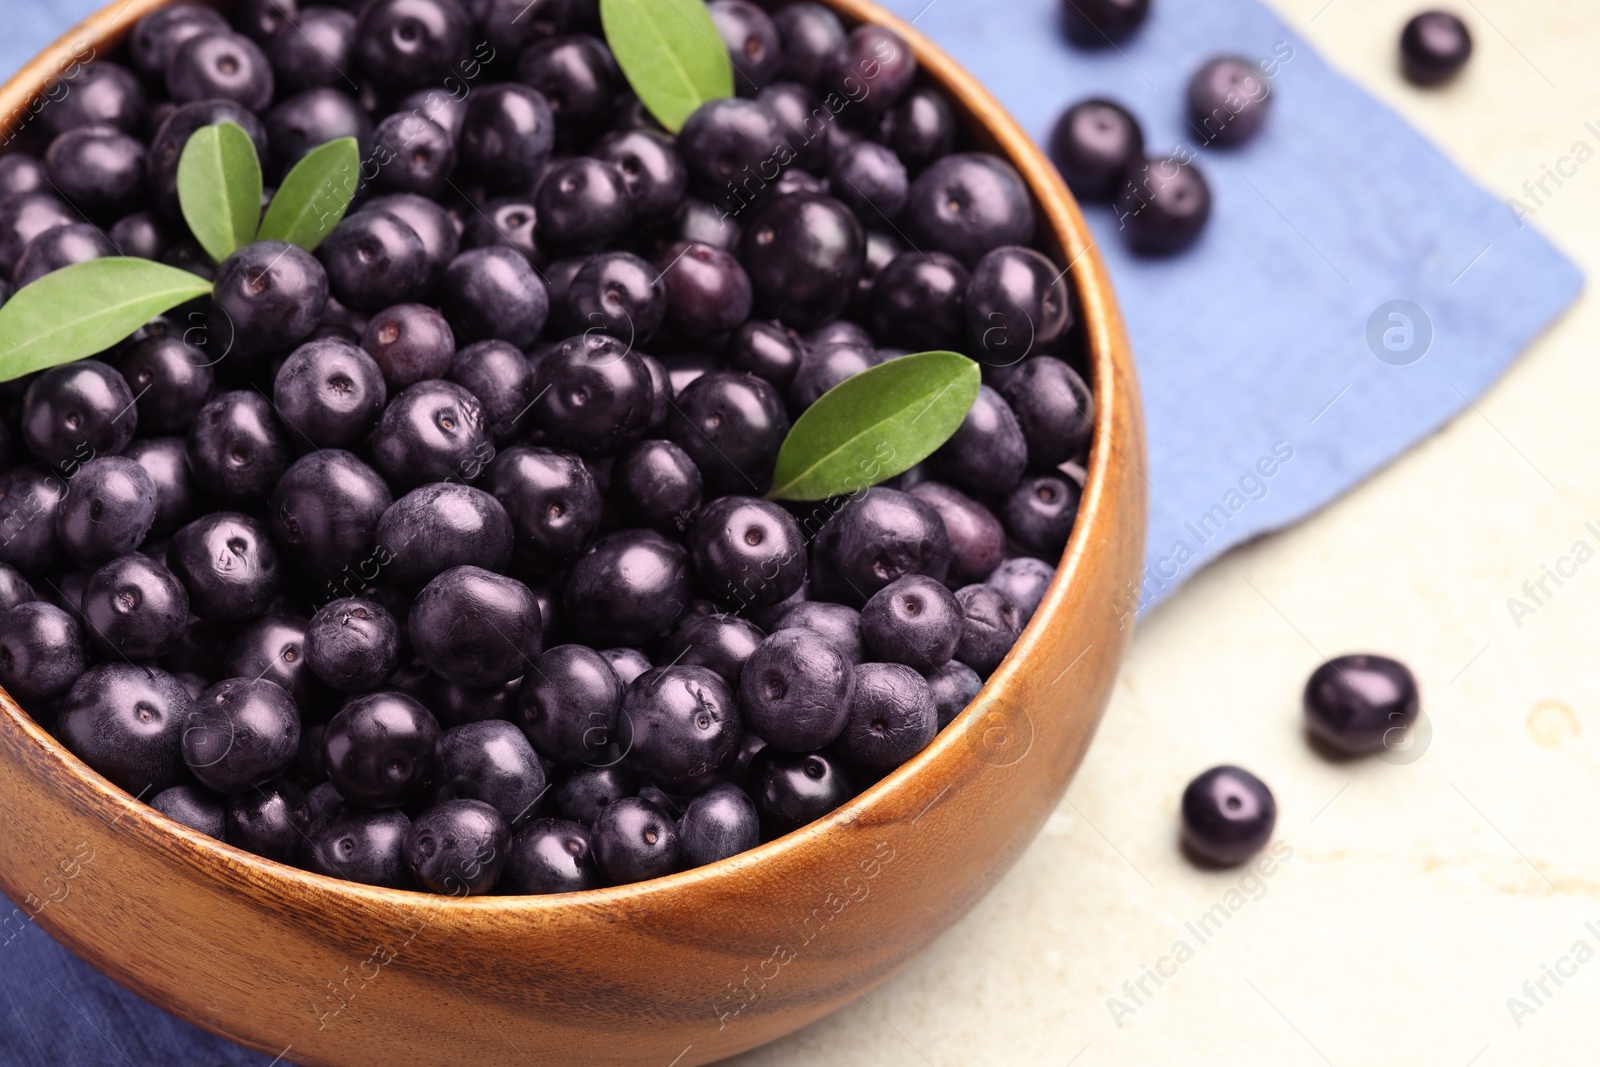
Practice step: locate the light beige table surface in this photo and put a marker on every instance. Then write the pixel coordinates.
(1416, 898)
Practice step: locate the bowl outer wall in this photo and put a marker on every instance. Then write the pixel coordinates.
(681, 970)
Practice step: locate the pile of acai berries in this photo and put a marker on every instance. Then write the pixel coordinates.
(402, 561)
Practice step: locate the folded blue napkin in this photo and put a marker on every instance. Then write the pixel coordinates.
(1352, 291)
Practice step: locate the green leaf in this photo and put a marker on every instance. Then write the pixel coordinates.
(219, 188)
(671, 53)
(85, 308)
(875, 425)
(314, 195)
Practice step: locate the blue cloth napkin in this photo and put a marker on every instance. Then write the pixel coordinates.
(1352, 291)
(1264, 395)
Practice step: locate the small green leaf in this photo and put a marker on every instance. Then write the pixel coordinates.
(671, 53)
(219, 188)
(314, 195)
(85, 308)
(875, 425)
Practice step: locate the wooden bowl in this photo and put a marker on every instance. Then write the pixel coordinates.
(681, 970)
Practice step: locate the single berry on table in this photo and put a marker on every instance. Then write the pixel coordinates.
(1228, 815)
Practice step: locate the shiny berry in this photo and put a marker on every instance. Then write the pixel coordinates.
(966, 204)
(552, 502)
(24, 217)
(583, 204)
(1040, 511)
(475, 627)
(569, 703)
(731, 425)
(432, 432)
(269, 820)
(870, 179)
(1433, 47)
(914, 620)
(879, 536)
(550, 856)
(875, 67)
(1228, 815)
(220, 66)
(1095, 23)
(314, 50)
(839, 623)
(767, 350)
(719, 823)
(509, 221)
(653, 172)
(590, 790)
(953, 686)
(194, 806)
(438, 526)
(804, 254)
(633, 840)
(136, 607)
(310, 119)
(977, 538)
(630, 587)
(270, 296)
(108, 512)
(594, 395)
(493, 293)
(1228, 101)
(171, 381)
(987, 454)
(747, 552)
(1163, 205)
(77, 411)
(99, 169)
(240, 733)
(41, 651)
(404, 44)
(330, 393)
(457, 847)
(707, 291)
(325, 509)
(919, 302)
(490, 762)
(99, 93)
(727, 144)
(228, 564)
(506, 135)
(1095, 143)
(1054, 408)
(1361, 703)
(920, 128)
(359, 846)
(684, 722)
(657, 485)
(380, 749)
(791, 789)
(721, 643)
(578, 77)
(237, 447)
(617, 293)
(372, 260)
(795, 690)
(410, 343)
(440, 234)
(126, 722)
(1016, 305)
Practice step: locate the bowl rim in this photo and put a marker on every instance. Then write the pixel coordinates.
(1113, 385)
